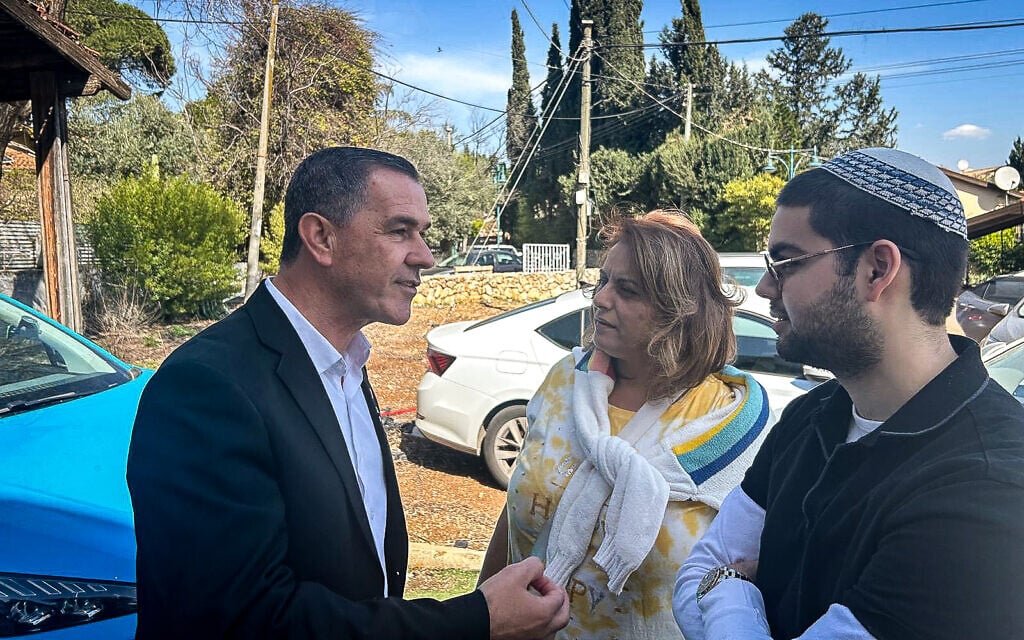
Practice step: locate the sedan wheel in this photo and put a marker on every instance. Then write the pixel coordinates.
(506, 433)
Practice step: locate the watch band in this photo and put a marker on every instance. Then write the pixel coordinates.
(715, 576)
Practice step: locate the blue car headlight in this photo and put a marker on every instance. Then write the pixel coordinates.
(42, 603)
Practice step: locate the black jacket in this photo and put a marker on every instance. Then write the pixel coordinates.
(248, 516)
(917, 528)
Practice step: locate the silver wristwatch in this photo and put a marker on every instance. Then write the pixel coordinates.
(713, 577)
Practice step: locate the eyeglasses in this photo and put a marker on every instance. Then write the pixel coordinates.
(774, 266)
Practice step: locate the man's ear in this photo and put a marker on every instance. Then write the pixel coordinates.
(883, 265)
(317, 235)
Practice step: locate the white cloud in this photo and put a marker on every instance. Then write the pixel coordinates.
(967, 131)
(757, 62)
(461, 78)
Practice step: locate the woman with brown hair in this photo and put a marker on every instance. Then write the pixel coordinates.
(635, 440)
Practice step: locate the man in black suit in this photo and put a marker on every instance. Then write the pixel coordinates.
(265, 499)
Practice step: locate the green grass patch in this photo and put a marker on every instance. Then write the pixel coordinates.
(439, 584)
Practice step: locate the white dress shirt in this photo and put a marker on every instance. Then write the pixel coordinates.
(342, 377)
(734, 609)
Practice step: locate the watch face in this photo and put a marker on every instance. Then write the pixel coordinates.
(708, 581)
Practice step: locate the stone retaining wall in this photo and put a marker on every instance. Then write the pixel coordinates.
(486, 288)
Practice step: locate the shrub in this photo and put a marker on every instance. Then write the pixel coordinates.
(271, 240)
(175, 239)
(995, 254)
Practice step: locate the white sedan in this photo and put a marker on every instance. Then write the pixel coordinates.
(483, 373)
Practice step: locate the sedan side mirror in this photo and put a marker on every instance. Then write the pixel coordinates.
(1001, 309)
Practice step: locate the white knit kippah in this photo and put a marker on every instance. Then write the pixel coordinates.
(903, 180)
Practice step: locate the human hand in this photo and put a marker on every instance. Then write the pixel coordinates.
(517, 613)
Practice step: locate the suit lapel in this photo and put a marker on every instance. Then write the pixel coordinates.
(298, 375)
(396, 537)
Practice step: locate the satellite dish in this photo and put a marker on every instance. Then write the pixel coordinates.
(1007, 178)
(962, 165)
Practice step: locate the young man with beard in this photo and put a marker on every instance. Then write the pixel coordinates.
(888, 503)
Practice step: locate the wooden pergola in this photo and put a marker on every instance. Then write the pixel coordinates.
(41, 60)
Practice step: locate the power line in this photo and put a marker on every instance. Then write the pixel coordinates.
(846, 14)
(940, 28)
(542, 30)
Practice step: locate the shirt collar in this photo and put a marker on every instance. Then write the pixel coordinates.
(932, 407)
(321, 352)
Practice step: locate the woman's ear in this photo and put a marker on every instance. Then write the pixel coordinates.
(317, 235)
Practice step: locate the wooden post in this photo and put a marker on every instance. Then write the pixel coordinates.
(252, 269)
(60, 260)
(583, 178)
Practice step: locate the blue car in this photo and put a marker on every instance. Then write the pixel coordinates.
(67, 545)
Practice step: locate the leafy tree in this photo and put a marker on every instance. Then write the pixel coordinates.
(615, 176)
(807, 64)
(867, 122)
(111, 139)
(459, 186)
(131, 44)
(1016, 159)
(323, 92)
(521, 117)
(993, 254)
(698, 64)
(749, 204)
(272, 240)
(173, 239)
(808, 114)
(128, 41)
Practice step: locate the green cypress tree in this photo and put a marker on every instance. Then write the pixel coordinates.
(1016, 159)
(521, 116)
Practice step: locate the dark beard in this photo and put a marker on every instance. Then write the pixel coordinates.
(835, 334)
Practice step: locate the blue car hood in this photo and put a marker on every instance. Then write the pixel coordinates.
(64, 503)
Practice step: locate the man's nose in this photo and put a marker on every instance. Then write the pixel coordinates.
(767, 287)
(422, 257)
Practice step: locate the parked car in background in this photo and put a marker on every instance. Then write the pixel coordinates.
(745, 269)
(483, 373)
(981, 306)
(1009, 329)
(1006, 366)
(67, 545)
(501, 260)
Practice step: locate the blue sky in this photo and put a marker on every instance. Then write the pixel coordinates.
(958, 94)
(460, 48)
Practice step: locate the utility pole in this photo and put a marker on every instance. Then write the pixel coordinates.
(252, 272)
(583, 181)
(689, 111)
(449, 129)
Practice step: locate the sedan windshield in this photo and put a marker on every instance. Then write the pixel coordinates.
(41, 363)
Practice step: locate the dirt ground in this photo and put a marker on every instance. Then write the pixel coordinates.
(448, 496)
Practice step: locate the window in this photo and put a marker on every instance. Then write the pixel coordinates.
(744, 276)
(1008, 290)
(755, 347)
(567, 331)
(41, 361)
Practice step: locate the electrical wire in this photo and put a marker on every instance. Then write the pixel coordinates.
(940, 28)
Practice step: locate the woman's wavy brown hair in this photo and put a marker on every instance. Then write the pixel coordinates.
(680, 277)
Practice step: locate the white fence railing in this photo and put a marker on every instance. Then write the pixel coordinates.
(545, 257)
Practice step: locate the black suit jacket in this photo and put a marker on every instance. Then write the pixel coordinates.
(248, 515)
